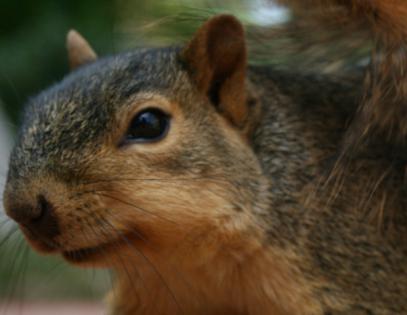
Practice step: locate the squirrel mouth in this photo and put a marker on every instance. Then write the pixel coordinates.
(88, 253)
(95, 253)
(84, 254)
(99, 252)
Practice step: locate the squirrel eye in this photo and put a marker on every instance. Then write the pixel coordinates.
(148, 126)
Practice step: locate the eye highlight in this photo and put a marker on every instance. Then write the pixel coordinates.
(149, 125)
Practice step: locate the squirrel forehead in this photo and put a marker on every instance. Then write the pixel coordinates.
(72, 114)
(112, 79)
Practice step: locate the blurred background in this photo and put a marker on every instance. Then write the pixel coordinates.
(33, 56)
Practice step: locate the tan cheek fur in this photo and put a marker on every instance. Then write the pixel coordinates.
(197, 253)
(200, 256)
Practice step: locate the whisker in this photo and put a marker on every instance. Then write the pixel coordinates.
(98, 192)
(135, 233)
(379, 181)
(8, 235)
(102, 193)
(52, 273)
(105, 233)
(172, 179)
(13, 272)
(5, 221)
(135, 206)
(21, 276)
(156, 271)
(36, 235)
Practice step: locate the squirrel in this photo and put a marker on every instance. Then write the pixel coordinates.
(212, 187)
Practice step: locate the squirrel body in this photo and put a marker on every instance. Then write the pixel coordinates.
(211, 187)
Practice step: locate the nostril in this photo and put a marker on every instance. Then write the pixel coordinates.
(39, 219)
(45, 222)
(43, 209)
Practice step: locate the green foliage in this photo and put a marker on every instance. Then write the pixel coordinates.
(32, 42)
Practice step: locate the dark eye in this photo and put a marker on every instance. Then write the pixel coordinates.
(147, 126)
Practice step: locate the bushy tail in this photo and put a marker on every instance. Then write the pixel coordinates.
(383, 111)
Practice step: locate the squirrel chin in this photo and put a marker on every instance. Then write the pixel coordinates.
(89, 254)
(98, 255)
(95, 255)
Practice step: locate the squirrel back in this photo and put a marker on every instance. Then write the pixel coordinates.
(214, 187)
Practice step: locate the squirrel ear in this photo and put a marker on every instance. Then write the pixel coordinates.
(216, 59)
(79, 50)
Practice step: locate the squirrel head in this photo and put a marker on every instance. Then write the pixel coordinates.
(149, 148)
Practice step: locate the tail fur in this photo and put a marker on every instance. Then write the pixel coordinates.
(383, 110)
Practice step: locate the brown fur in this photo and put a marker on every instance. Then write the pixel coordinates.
(383, 111)
(205, 221)
(217, 58)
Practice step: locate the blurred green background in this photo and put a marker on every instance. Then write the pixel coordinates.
(33, 56)
(32, 33)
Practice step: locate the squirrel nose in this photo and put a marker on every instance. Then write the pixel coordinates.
(40, 219)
